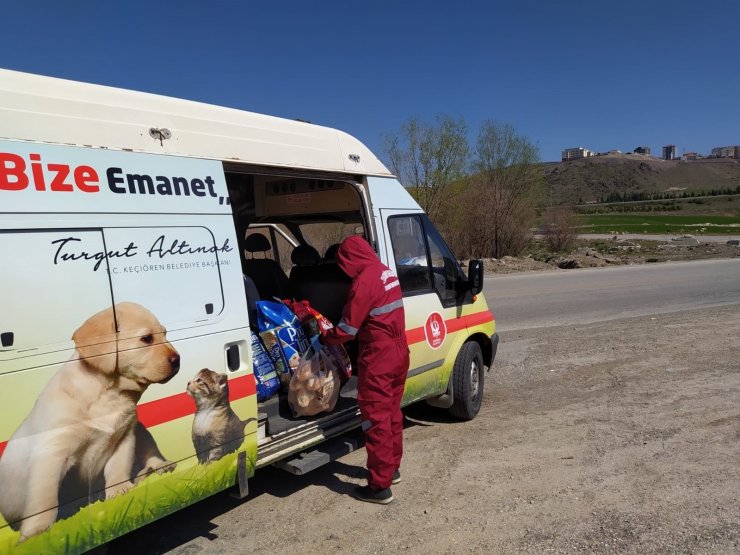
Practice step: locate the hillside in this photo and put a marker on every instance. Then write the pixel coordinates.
(591, 179)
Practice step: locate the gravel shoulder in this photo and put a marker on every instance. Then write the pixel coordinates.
(621, 437)
(595, 251)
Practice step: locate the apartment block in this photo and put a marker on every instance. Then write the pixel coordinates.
(576, 153)
(726, 152)
(669, 152)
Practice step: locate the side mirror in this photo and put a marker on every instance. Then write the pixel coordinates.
(475, 276)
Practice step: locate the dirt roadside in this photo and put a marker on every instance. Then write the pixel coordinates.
(615, 437)
(611, 251)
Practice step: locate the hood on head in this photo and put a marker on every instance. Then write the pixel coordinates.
(355, 254)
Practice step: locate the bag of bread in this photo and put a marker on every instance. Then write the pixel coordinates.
(314, 386)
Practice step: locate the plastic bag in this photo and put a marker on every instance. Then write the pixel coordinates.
(265, 373)
(315, 323)
(341, 359)
(283, 337)
(315, 384)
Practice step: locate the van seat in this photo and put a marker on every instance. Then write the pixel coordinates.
(330, 255)
(267, 274)
(325, 286)
(303, 256)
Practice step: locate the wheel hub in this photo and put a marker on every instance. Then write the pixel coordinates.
(474, 381)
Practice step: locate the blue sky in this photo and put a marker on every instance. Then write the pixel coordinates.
(602, 75)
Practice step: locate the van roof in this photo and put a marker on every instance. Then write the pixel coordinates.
(50, 110)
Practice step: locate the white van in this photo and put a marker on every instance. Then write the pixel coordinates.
(127, 223)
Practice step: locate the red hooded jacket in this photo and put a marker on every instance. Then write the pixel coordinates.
(374, 310)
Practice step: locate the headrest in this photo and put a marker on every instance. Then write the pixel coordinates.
(331, 252)
(305, 255)
(257, 243)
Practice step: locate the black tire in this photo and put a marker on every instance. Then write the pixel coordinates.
(467, 382)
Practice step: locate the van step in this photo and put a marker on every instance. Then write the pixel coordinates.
(326, 452)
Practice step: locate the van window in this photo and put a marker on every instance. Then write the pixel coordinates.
(325, 236)
(174, 272)
(410, 253)
(280, 247)
(49, 289)
(447, 274)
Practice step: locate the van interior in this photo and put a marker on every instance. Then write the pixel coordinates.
(289, 229)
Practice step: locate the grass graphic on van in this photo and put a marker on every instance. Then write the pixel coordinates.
(153, 498)
(419, 387)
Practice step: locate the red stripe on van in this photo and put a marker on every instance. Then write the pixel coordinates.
(177, 406)
(417, 335)
(479, 318)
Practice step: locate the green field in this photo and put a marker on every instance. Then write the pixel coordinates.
(660, 224)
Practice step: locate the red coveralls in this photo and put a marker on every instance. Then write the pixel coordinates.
(374, 314)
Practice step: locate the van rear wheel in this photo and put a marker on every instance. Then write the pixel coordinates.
(467, 382)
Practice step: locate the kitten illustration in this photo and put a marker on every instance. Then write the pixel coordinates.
(217, 430)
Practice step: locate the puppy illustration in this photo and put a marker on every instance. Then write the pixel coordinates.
(85, 418)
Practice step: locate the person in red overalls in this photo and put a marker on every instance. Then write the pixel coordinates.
(374, 314)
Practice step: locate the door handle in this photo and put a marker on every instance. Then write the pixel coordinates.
(232, 357)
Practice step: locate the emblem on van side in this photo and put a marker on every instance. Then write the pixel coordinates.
(435, 330)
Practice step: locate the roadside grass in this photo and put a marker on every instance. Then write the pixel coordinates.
(660, 224)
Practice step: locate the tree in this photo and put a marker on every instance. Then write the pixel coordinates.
(560, 228)
(429, 158)
(506, 187)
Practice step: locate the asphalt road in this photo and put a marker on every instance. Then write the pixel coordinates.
(543, 299)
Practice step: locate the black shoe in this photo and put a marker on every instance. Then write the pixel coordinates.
(371, 495)
(396, 477)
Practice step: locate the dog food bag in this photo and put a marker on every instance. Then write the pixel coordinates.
(273, 350)
(314, 386)
(265, 374)
(283, 336)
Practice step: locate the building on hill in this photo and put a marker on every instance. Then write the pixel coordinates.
(669, 152)
(642, 150)
(692, 156)
(576, 153)
(726, 152)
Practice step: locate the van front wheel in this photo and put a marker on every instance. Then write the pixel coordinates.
(467, 382)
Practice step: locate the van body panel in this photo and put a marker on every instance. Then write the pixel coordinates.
(70, 254)
(45, 109)
(52, 178)
(387, 193)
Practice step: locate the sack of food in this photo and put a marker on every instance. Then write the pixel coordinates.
(265, 374)
(312, 320)
(314, 387)
(283, 337)
(315, 323)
